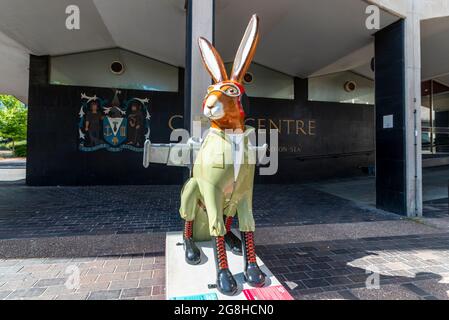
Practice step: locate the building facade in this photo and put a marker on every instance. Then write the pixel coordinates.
(340, 82)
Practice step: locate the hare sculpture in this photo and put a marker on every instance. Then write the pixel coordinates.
(223, 177)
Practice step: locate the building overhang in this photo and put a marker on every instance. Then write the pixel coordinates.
(299, 38)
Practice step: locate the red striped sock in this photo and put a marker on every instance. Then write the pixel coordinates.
(188, 229)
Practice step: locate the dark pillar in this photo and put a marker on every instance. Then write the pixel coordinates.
(390, 95)
(39, 70)
(39, 76)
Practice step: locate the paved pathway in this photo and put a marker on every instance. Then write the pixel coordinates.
(436, 208)
(363, 189)
(320, 245)
(398, 268)
(12, 171)
(414, 265)
(132, 277)
(66, 211)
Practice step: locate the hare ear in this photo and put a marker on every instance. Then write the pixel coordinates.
(247, 50)
(212, 60)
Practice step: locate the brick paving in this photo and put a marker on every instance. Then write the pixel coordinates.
(409, 267)
(436, 208)
(67, 211)
(134, 277)
(414, 266)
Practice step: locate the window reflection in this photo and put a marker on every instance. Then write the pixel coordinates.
(435, 117)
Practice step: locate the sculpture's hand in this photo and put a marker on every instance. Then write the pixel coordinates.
(155, 153)
(171, 154)
(258, 153)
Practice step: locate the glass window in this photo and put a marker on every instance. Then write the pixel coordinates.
(435, 117)
(342, 87)
(264, 82)
(113, 68)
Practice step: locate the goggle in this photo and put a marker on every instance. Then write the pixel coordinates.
(230, 89)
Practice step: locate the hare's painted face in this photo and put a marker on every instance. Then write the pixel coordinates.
(222, 99)
(222, 104)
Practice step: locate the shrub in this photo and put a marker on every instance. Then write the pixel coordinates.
(20, 149)
(13, 119)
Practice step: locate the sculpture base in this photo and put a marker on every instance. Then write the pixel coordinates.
(184, 281)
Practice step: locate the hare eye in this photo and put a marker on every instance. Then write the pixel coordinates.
(231, 91)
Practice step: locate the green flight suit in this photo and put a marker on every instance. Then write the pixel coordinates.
(212, 186)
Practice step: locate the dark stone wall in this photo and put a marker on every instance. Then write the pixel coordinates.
(53, 154)
(318, 140)
(325, 140)
(390, 100)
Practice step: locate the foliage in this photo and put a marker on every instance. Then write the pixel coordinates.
(8, 101)
(13, 119)
(20, 149)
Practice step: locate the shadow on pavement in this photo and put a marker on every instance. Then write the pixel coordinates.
(408, 267)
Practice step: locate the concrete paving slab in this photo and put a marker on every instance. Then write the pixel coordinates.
(328, 232)
(438, 289)
(363, 189)
(440, 223)
(12, 175)
(387, 292)
(82, 246)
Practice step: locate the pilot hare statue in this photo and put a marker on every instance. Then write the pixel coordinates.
(223, 175)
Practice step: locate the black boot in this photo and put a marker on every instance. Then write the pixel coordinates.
(233, 242)
(192, 253)
(226, 283)
(253, 275)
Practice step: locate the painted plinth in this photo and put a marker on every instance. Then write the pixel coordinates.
(184, 280)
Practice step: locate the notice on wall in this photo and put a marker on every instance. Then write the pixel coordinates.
(388, 121)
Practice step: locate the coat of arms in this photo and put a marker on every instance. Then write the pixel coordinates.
(114, 125)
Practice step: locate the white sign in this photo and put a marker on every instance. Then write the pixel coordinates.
(388, 121)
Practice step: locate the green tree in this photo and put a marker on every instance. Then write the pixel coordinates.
(13, 119)
(7, 101)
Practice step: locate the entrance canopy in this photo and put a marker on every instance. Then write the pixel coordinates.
(300, 38)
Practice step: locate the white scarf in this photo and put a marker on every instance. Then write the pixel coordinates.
(238, 150)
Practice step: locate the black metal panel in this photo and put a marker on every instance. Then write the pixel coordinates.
(390, 100)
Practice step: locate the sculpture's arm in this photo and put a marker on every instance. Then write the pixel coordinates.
(184, 154)
(171, 154)
(259, 153)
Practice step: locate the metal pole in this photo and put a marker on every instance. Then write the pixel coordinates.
(431, 117)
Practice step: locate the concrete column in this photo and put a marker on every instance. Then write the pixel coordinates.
(412, 56)
(200, 23)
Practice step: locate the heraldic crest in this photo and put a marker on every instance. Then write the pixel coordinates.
(115, 125)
